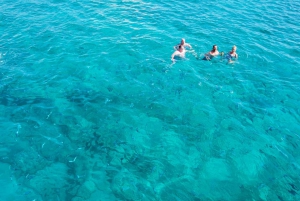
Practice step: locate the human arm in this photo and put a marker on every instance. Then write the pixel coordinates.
(173, 55)
(188, 45)
(207, 55)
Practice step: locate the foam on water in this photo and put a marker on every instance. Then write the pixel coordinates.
(92, 107)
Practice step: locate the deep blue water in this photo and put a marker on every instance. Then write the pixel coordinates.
(93, 108)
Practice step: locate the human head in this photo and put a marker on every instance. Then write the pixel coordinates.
(215, 47)
(234, 48)
(180, 47)
(182, 41)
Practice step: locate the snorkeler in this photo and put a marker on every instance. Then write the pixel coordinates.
(179, 53)
(232, 55)
(182, 43)
(214, 52)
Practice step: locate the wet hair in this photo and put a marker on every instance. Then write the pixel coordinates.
(213, 48)
(179, 46)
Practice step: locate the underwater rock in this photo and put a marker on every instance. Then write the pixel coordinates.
(51, 182)
(9, 186)
(263, 192)
(124, 186)
(217, 169)
(20, 101)
(87, 188)
(225, 123)
(249, 165)
(78, 199)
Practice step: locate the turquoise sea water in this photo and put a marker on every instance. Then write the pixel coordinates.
(92, 107)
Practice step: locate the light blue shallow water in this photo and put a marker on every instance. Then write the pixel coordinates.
(92, 108)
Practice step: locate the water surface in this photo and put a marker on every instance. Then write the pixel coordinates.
(92, 107)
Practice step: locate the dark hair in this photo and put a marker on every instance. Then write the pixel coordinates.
(214, 46)
(179, 46)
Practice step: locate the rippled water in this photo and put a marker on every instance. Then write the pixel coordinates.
(92, 107)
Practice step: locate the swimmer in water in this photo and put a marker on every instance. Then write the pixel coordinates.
(232, 55)
(179, 53)
(182, 43)
(214, 52)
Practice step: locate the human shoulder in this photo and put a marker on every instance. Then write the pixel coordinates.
(176, 47)
(175, 53)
